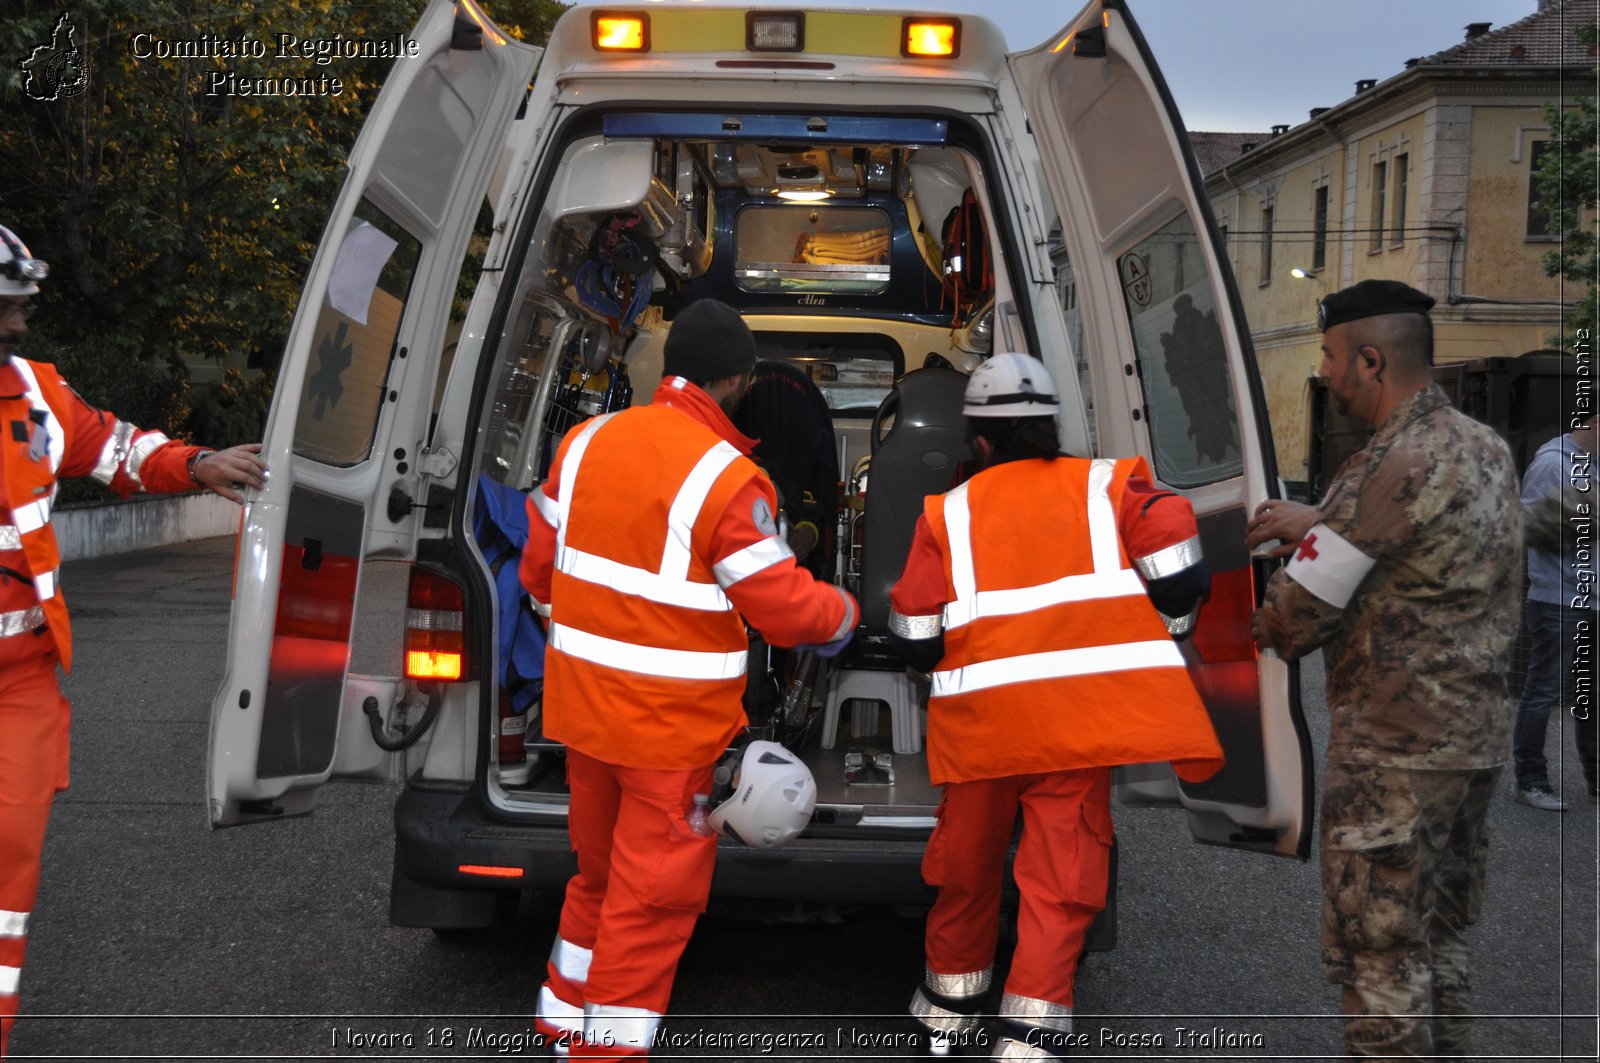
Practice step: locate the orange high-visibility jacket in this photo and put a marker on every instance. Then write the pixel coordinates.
(49, 433)
(653, 534)
(1054, 657)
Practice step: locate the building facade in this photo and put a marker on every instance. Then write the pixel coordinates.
(1426, 177)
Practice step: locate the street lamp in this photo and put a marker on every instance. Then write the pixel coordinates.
(1302, 275)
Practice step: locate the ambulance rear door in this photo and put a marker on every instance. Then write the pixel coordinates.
(348, 435)
(1167, 354)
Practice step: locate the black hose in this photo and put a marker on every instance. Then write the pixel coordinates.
(409, 738)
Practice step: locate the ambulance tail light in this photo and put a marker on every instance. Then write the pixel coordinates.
(620, 31)
(930, 38)
(435, 641)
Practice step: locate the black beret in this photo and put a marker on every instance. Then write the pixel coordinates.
(1370, 299)
(708, 341)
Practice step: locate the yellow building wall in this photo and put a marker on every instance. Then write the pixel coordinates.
(1280, 299)
(1391, 255)
(1501, 261)
(1286, 364)
(1496, 260)
(1462, 341)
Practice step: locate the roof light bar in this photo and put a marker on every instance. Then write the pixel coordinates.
(620, 31)
(775, 31)
(935, 38)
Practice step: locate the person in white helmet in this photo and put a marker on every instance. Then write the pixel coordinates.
(48, 433)
(1046, 596)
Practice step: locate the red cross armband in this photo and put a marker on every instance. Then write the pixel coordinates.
(1329, 566)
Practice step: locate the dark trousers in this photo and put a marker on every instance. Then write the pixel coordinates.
(1557, 635)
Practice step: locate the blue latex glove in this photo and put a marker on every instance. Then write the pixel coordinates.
(828, 649)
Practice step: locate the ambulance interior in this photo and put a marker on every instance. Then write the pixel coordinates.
(862, 269)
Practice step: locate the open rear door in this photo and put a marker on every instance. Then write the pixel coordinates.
(1174, 378)
(350, 416)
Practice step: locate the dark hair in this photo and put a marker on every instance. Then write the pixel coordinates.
(1031, 437)
(1405, 338)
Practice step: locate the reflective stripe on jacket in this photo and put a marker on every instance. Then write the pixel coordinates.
(48, 433)
(652, 536)
(1054, 657)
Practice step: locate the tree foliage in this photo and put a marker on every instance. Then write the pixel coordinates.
(1569, 180)
(179, 221)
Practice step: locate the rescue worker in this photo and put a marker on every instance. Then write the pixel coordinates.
(1045, 596)
(1408, 573)
(651, 544)
(49, 434)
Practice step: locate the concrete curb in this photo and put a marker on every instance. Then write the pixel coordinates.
(85, 531)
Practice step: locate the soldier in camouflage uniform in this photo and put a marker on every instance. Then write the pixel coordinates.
(1408, 572)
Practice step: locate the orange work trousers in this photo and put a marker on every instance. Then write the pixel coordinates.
(34, 717)
(1062, 867)
(643, 880)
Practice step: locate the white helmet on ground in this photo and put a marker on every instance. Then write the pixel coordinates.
(20, 272)
(773, 795)
(1011, 385)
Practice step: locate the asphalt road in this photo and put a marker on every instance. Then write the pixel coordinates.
(156, 938)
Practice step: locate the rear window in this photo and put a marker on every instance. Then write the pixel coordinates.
(355, 339)
(853, 371)
(798, 248)
(1183, 358)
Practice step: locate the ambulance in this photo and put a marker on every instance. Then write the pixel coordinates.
(888, 198)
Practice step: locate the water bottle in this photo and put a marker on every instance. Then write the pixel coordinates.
(699, 816)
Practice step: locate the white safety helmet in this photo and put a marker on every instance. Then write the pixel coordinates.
(773, 795)
(20, 272)
(1011, 385)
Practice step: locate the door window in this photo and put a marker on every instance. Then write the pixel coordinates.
(354, 340)
(854, 371)
(1183, 361)
(798, 248)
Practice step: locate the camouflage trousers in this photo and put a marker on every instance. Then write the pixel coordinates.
(1403, 856)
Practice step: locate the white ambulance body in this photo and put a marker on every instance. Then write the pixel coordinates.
(888, 198)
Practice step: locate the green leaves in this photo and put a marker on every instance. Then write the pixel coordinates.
(179, 222)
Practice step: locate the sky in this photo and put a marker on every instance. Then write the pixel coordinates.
(1247, 65)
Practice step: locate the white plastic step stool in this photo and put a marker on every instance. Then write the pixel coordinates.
(894, 689)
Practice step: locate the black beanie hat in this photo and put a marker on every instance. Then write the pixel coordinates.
(1370, 299)
(708, 341)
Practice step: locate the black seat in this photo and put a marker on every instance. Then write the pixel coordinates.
(788, 415)
(919, 448)
(921, 452)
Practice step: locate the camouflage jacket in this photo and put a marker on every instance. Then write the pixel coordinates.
(1412, 581)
